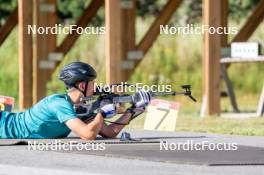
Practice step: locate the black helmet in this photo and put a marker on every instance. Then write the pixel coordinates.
(76, 72)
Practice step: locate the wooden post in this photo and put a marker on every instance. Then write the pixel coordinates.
(120, 38)
(113, 41)
(25, 54)
(224, 21)
(212, 52)
(128, 34)
(45, 43)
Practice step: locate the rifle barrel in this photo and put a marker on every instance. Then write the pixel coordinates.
(173, 93)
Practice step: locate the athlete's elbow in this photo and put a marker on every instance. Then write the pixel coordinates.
(89, 136)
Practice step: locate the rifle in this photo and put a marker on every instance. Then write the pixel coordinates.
(90, 104)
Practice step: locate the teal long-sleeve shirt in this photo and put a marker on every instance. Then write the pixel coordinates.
(46, 119)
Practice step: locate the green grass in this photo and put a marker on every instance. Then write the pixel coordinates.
(192, 122)
(213, 124)
(189, 119)
(9, 66)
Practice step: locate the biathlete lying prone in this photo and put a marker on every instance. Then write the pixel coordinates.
(55, 116)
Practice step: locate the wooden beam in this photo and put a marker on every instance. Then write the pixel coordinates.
(251, 24)
(46, 16)
(83, 21)
(211, 54)
(10, 24)
(154, 29)
(25, 54)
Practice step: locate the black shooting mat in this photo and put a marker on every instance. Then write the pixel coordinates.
(148, 148)
(244, 155)
(13, 142)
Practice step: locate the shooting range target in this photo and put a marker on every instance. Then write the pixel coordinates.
(6, 103)
(2, 107)
(161, 115)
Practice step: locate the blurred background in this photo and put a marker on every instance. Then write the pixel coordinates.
(173, 59)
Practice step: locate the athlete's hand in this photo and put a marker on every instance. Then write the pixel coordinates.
(108, 110)
(142, 98)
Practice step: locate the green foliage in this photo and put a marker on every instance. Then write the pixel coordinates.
(88, 49)
(172, 61)
(70, 9)
(6, 7)
(148, 7)
(238, 9)
(191, 10)
(9, 66)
